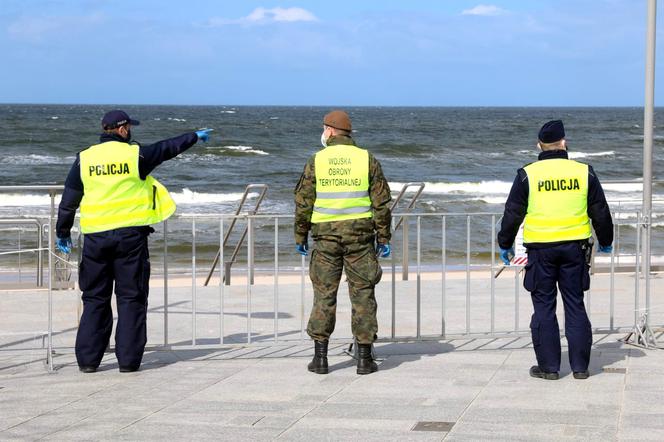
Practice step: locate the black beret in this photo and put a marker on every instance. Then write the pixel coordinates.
(552, 131)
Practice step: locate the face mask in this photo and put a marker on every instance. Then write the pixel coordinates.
(323, 140)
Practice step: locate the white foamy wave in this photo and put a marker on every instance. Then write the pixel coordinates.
(623, 187)
(35, 159)
(243, 149)
(22, 199)
(54, 118)
(228, 112)
(482, 187)
(577, 155)
(185, 197)
(190, 197)
(176, 119)
(484, 199)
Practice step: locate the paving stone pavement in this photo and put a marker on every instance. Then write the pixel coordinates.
(480, 387)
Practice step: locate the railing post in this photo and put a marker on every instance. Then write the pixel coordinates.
(19, 255)
(40, 259)
(165, 257)
(276, 278)
(637, 270)
(493, 271)
(250, 240)
(193, 280)
(612, 295)
(419, 278)
(467, 274)
(250, 250)
(221, 281)
(443, 277)
(303, 263)
(405, 254)
(49, 357)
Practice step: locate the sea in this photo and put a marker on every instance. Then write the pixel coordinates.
(466, 156)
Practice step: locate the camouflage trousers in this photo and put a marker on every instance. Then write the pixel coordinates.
(363, 272)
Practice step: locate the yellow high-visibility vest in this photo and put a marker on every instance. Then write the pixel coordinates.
(114, 195)
(342, 184)
(557, 201)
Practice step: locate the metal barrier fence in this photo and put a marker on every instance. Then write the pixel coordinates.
(445, 292)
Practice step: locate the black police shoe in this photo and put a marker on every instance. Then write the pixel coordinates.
(87, 369)
(537, 372)
(318, 364)
(128, 369)
(581, 374)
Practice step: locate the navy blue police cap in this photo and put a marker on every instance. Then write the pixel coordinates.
(117, 118)
(552, 131)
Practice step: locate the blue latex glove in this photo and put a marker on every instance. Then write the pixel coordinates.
(64, 245)
(605, 249)
(383, 251)
(302, 249)
(203, 134)
(506, 255)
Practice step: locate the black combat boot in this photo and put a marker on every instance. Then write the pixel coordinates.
(319, 363)
(365, 362)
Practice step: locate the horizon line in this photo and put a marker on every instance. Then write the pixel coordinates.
(330, 105)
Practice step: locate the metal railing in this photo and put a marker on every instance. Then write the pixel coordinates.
(464, 288)
(467, 266)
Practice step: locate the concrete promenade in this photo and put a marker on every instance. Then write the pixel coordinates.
(452, 389)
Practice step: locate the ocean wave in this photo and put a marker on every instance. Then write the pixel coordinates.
(22, 199)
(238, 149)
(577, 155)
(183, 197)
(494, 187)
(623, 187)
(228, 112)
(177, 119)
(189, 197)
(33, 159)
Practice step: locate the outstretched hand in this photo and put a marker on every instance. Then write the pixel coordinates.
(203, 134)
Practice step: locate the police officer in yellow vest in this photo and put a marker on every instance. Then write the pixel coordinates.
(557, 199)
(118, 201)
(344, 199)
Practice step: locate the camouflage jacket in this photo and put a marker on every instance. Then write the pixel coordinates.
(379, 192)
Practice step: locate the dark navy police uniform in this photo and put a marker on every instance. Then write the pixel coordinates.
(561, 263)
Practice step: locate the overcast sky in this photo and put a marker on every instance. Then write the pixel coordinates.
(346, 52)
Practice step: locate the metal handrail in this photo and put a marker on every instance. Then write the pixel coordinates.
(409, 207)
(38, 224)
(420, 187)
(226, 274)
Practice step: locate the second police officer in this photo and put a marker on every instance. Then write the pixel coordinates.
(557, 199)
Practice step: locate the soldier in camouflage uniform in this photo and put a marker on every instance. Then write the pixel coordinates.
(344, 199)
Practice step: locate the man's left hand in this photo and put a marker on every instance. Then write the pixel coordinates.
(383, 250)
(64, 245)
(605, 249)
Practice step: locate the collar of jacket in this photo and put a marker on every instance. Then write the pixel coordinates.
(551, 154)
(104, 137)
(340, 139)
